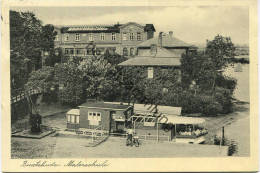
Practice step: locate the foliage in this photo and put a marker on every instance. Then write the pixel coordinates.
(70, 77)
(204, 72)
(27, 39)
(219, 49)
(42, 79)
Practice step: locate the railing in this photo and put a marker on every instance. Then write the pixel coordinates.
(22, 95)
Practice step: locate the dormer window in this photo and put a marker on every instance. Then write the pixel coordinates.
(77, 38)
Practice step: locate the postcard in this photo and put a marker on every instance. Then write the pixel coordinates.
(139, 86)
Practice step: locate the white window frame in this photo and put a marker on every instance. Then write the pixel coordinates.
(72, 118)
(102, 36)
(150, 72)
(132, 36)
(113, 36)
(77, 119)
(77, 37)
(66, 37)
(124, 36)
(91, 37)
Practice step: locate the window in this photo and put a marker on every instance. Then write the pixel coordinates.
(72, 119)
(113, 36)
(139, 36)
(124, 36)
(56, 38)
(102, 36)
(68, 118)
(90, 37)
(89, 51)
(125, 51)
(131, 36)
(150, 72)
(79, 51)
(66, 38)
(66, 51)
(77, 119)
(71, 51)
(77, 38)
(132, 52)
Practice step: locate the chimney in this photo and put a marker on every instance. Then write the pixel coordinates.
(160, 39)
(170, 33)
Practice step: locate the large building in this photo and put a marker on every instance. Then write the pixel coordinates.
(159, 53)
(119, 38)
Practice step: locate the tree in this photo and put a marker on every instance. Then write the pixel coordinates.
(25, 31)
(28, 38)
(205, 70)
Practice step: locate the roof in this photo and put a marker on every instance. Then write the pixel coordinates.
(167, 41)
(89, 28)
(162, 57)
(73, 112)
(173, 119)
(101, 28)
(148, 61)
(147, 108)
(103, 105)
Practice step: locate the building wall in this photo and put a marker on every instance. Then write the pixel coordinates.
(106, 122)
(146, 51)
(118, 43)
(131, 44)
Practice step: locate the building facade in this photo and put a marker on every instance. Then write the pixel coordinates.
(118, 38)
(158, 54)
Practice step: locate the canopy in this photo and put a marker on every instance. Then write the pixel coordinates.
(73, 112)
(173, 119)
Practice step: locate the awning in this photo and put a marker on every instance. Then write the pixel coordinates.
(73, 112)
(173, 119)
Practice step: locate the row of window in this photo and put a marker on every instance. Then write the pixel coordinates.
(102, 37)
(73, 119)
(89, 51)
(132, 36)
(94, 116)
(125, 51)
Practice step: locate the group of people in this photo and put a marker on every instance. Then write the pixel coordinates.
(196, 132)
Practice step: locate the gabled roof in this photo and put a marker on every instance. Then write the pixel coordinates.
(89, 28)
(148, 61)
(167, 41)
(162, 57)
(101, 28)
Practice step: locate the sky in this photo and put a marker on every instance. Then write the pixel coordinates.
(192, 24)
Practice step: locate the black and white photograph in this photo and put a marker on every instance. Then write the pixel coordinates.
(129, 82)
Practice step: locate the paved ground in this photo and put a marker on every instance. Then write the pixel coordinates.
(115, 147)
